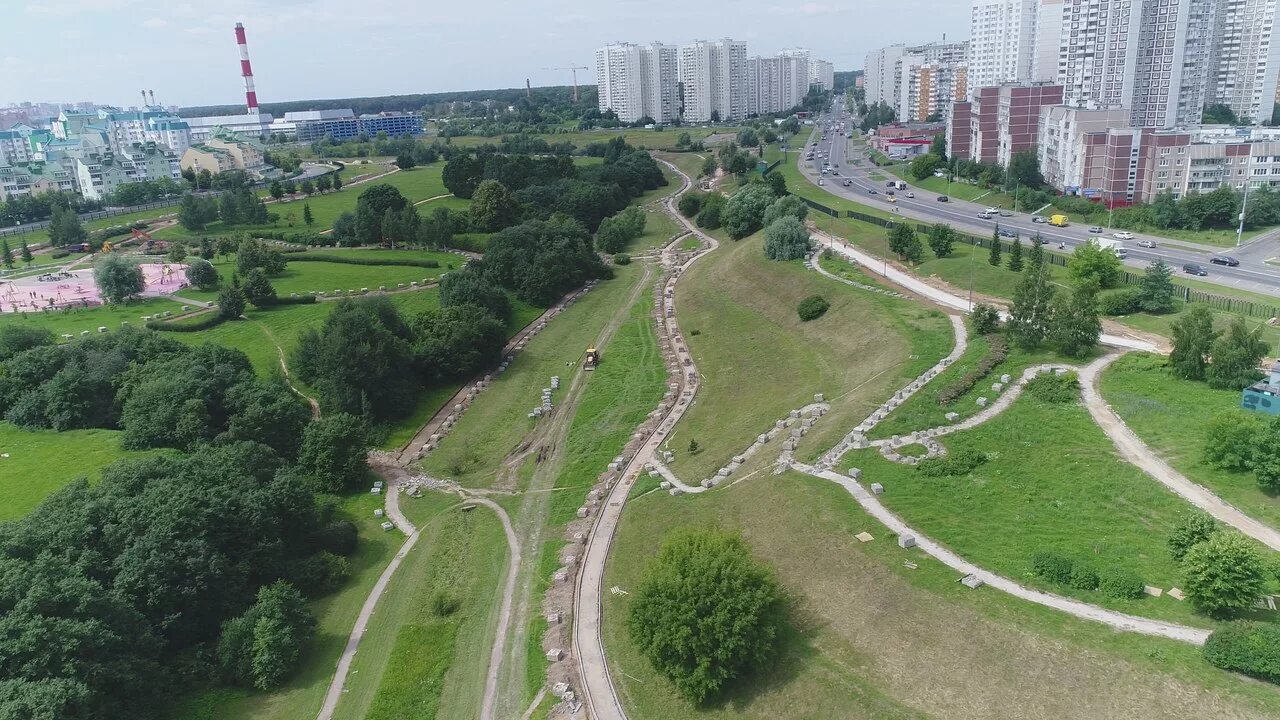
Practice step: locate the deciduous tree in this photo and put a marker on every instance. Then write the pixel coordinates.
(1193, 340)
(1224, 574)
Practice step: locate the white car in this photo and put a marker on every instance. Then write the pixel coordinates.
(1146, 244)
(1122, 235)
(992, 211)
(911, 194)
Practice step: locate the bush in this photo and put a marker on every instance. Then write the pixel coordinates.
(1055, 388)
(342, 259)
(1083, 576)
(999, 350)
(622, 259)
(319, 574)
(985, 319)
(1120, 302)
(691, 203)
(1120, 583)
(1230, 439)
(444, 603)
(206, 321)
(961, 463)
(1052, 566)
(1251, 648)
(1192, 527)
(812, 307)
(1224, 574)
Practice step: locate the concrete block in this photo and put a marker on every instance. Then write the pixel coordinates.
(855, 473)
(982, 402)
(1005, 378)
(952, 416)
(555, 655)
(971, 581)
(906, 541)
(877, 488)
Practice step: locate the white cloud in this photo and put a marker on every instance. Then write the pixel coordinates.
(155, 23)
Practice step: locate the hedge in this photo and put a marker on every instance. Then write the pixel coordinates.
(1120, 583)
(1052, 566)
(1251, 648)
(214, 319)
(342, 259)
(999, 350)
(299, 300)
(961, 463)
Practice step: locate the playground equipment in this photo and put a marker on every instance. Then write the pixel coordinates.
(592, 360)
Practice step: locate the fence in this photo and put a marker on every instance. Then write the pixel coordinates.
(95, 215)
(1224, 303)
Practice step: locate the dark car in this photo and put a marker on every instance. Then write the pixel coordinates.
(1194, 269)
(1007, 233)
(943, 198)
(872, 191)
(1224, 260)
(888, 192)
(891, 183)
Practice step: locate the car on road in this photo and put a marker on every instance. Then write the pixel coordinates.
(819, 181)
(984, 215)
(847, 182)
(1005, 232)
(892, 199)
(835, 172)
(888, 192)
(1039, 219)
(1146, 244)
(1095, 230)
(1006, 213)
(872, 191)
(1122, 235)
(992, 210)
(1224, 260)
(943, 198)
(891, 184)
(911, 194)
(1194, 269)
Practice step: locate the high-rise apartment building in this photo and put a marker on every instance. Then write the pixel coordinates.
(1002, 48)
(881, 74)
(713, 80)
(907, 78)
(637, 81)
(1245, 59)
(927, 90)
(822, 74)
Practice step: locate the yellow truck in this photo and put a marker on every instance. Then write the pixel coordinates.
(1058, 220)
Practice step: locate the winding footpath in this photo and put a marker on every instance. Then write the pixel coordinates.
(598, 691)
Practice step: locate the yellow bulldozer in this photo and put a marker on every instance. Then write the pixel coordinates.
(592, 360)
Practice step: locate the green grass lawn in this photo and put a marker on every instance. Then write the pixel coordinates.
(497, 421)
(302, 277)
(35, 463)
(658, 228)
(758, 360)
(122, 220)
(1053, 482)
(689, 162)
(413, 661)
(356, 169)
(1171, 415)
(416, 184)
(875, 640)
(303, 692)
(957, 189)
(75, 321)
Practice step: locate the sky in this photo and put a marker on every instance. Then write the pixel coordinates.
(107, 50)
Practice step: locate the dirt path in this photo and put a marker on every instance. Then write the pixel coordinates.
(435, 197)
(514, 556)
(284, 368)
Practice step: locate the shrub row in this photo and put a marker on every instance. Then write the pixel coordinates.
(1055, 388)
(1121, 302)
(107, 233)
(316, 257)
(1251, 648)
(961, 463)
(211, 320)
(999, 350)
(300, 300)
(1113, 581)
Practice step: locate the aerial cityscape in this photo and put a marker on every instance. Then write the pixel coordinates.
(503, 362)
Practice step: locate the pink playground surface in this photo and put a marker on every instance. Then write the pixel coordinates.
(76, 288)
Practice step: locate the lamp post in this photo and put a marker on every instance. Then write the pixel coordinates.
(1244, 205)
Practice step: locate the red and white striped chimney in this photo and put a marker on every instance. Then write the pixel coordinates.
(246, 71)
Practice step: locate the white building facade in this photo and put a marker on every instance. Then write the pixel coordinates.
(637, 81)
(1002, 48)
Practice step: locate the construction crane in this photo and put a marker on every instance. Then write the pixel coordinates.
(575, 69)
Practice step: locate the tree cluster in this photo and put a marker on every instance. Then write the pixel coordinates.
(541, 260)
(367, 360)
(1235, 353)
(21, 209)
(1039, 314)
(118, 277)
(618, 230)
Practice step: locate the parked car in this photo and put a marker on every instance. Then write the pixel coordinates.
(1039, 219)
(1122, 235)
(1095, 230)
(1146, 244)
(943, 198)
(1194, 269)
(1224, 260)
(992, 211)
(1006, 213)
(984, 215)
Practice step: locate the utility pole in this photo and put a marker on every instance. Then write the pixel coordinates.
(1243, 206)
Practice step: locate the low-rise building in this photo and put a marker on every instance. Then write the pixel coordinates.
(226, 151)
(1002, 120)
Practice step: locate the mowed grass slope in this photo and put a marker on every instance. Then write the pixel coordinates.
(1171, 415)
(1052, 482)
(737, 310)
(875, 640)
(497, 421)
(414, 661)
(77, 320)
(36, 463)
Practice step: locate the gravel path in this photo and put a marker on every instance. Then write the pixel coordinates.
(1135, 451)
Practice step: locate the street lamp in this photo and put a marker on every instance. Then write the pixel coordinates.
(1244, 205)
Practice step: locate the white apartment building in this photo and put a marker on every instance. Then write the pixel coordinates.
(713, 80)
(880, 75)
(636, 81)
(1062, 131)
(1246, 59)
(929, 89)
(822, 74)
(1003, 45)
(801, 77)
(1048, 37)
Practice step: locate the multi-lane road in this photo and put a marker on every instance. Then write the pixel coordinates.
(1252, 274)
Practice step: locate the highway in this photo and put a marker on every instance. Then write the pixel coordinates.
(850, 159)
